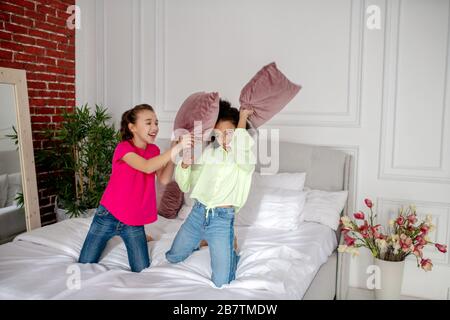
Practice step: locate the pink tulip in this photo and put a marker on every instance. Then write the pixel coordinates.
(424, 229)
(375, 232)
(441, 247)
(400, 220)
(421, 241)
(412, 218)
(426, 264)
(417, 252)
(349, 241)
(364, 229)
(369, 203)
(359, 215)
(405, 243)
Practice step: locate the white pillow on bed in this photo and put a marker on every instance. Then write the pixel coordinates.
(324, 207)
(284, 180)
(272, 208)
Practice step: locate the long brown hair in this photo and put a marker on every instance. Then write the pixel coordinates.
(130, 116)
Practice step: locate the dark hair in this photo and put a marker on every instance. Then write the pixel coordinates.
(229, 113)
(130, 116)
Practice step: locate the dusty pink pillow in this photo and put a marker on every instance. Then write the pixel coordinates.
(171, 201)
(200, 106)
(160, 188)
(268, 92)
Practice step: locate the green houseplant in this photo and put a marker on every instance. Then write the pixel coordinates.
(79, 157)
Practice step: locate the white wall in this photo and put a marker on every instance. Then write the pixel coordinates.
(380, 95)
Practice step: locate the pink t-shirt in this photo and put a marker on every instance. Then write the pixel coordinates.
(130, 194)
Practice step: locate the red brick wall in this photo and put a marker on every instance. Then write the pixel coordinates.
(34, 37)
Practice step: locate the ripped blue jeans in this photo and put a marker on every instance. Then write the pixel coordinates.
(216, 227)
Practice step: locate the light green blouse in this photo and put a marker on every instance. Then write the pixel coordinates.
(221, 177)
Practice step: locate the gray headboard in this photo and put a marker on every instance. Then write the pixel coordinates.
(326, 168)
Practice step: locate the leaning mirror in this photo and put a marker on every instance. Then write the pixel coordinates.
(19, 206)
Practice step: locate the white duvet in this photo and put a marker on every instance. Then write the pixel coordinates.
(274, 264)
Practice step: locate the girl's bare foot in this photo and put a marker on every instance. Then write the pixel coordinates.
(149, 237)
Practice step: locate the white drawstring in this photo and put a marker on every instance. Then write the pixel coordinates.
(207, 211)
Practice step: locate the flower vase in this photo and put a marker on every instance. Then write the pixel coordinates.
(391, 277)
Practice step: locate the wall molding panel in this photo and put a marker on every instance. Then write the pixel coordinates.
(390, 167)
(348, 118)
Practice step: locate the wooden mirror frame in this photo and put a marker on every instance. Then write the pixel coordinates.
(18, 79)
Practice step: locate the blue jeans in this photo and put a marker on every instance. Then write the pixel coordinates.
(217, 229)
(104, 226)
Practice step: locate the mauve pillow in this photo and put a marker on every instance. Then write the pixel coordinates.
(268, 92)
(200, 106)
(160, 188)
(171, 201)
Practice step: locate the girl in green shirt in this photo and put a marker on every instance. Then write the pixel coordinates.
(219, 182)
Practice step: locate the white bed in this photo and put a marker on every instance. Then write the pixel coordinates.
(274, 264)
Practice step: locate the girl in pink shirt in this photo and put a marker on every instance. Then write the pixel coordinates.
(129, 200)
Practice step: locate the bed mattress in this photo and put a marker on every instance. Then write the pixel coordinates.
(274, 264)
